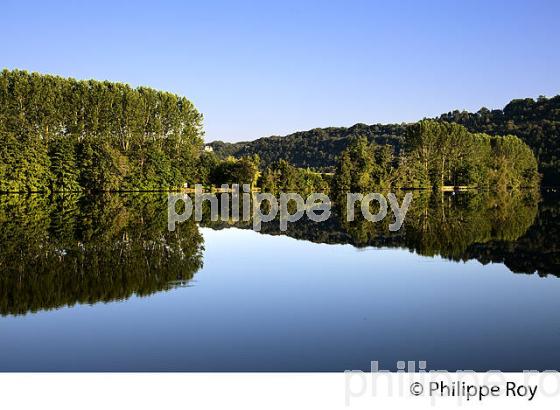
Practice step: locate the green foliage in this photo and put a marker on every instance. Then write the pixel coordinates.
(317, 149)
(236, 171)
(283, 177)
(215, 172)
(437, 154)
(64, 171)
(99, 164)
(537, 123)
(61, 134)
(24, 163)
(513, 163)
(443, 151)
(206, 166)
(363, 167)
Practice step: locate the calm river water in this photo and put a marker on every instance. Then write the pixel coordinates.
(99, 284)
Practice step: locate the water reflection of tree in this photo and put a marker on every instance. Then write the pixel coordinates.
(504, 227)
(66, 250)
(538, 250)
(447, 225)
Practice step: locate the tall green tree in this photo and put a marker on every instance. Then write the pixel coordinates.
(61, 134)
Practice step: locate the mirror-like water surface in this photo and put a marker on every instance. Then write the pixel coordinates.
(95, 284)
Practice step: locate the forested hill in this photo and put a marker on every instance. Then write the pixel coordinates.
(317, 148)
(535, 122)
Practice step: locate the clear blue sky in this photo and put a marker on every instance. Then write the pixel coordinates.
(261, 68)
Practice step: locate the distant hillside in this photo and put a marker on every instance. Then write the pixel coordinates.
(535, 122)
(317, 148)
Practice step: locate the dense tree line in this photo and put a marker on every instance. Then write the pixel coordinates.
(363, 167)
(283, 177)
(434, 154)
(448, 154)
(537, 123)
(278, 177)
(437, 154)
(59, 134)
